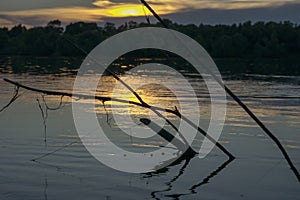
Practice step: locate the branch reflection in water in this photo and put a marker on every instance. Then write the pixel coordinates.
(182, 170)
(183, 160)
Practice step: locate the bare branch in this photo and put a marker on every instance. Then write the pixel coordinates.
(155, 109)
(13, 99)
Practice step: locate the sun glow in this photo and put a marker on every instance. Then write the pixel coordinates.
(128, 11)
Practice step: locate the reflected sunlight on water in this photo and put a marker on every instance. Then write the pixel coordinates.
(72, 173)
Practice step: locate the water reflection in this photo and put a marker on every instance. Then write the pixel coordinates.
(60, 66)
(281, 114)
(184, 162)
(193, 188)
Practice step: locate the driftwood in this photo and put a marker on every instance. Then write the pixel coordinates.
(236, 98)
(186, 150)
(145, 105)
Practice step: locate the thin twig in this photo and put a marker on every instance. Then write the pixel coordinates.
(60, 105)
(44, 116)
(108, 119)
(52, 152)
(13, 99)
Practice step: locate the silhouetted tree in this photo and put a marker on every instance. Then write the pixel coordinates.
(56, 25)
(260, 39)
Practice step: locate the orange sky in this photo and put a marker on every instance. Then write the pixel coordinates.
(11, 12)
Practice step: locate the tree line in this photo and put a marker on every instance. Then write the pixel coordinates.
(244, 40)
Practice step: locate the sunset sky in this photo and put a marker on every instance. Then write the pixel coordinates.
(39, 12)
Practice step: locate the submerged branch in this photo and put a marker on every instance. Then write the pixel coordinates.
(44, 116)
(52, 152)
(193, 188)
(104, 99)
(13, 99)
(239, 101)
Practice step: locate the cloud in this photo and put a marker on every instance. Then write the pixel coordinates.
(4, 21)
(37, 12)
(41, 16)
(18, 5)
(219, 4)
(288, 12)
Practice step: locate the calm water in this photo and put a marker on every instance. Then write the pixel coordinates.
(258, 172)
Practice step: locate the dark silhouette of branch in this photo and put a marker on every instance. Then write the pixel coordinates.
(213, 174)
(165, 135)
(46, 187)
(153, 108)
(173, 180)
(52, 152)
(13, 99)
(44, 116)
(180, 173)
(44, 113)
(237, 99)
(266, 130)
(142, 102)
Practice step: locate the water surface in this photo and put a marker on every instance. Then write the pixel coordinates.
(258, 172)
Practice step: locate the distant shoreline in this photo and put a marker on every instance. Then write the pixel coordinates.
(245, 40)
(61, 64)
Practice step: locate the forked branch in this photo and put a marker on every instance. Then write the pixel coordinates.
(145, 105)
